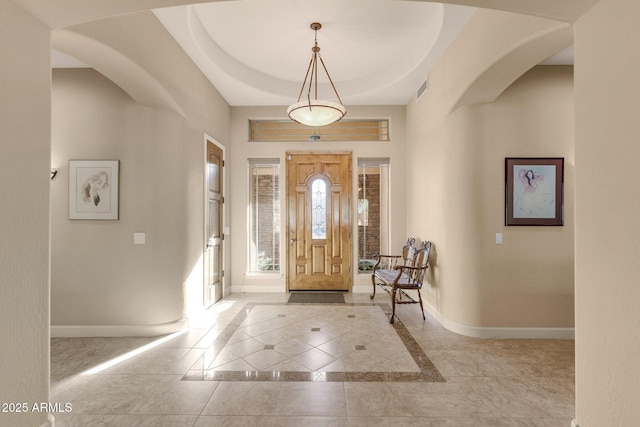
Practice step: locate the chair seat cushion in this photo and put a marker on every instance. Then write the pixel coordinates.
(388, 276)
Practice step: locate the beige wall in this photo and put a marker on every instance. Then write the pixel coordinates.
(24, 212)
(606, 231)
(458, 157)
(163, 77)
(528, 281)
(243, 149)
(99, 277)
(607, 211)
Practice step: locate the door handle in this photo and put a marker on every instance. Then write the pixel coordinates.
(292, 240)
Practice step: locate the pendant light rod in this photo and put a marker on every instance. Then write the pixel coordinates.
(306, 76)
(315, 26)
(330, 81)
(313, 67)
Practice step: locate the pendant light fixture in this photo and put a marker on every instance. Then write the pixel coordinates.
(313, 111)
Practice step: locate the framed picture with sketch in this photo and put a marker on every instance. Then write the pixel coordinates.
(534, 191)
(93, 189)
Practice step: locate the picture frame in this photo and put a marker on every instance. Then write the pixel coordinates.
(534, 191)
(93, 189)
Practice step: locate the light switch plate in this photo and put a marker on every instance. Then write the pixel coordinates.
(498, 238)
(139, 238)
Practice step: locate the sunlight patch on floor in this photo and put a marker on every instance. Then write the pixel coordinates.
(133, 353)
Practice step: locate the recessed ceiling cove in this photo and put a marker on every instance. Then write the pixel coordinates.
(256, 52)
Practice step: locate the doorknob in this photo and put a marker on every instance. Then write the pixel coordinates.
(292, 240)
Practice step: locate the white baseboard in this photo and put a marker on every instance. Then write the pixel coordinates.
(488, 332)
(264, 288)
(69, 331)
(362, 288)
(501, 332)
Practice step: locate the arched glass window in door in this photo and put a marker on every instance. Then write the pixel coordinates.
(318, 209)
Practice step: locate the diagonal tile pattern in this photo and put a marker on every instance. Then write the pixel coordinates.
(326, 343)
(253, 360)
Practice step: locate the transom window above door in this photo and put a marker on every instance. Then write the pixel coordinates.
(344, 130)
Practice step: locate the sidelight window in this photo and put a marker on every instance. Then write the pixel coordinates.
(373, 211)
(264, 216)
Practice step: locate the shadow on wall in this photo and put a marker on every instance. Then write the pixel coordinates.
(433, 264)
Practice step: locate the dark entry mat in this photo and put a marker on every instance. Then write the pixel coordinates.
(316, 298)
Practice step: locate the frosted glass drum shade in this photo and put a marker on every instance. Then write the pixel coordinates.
(316, 112)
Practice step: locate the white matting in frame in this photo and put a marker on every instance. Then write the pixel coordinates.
(93, 189)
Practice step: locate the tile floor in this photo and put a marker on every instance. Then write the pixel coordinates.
(254, 360)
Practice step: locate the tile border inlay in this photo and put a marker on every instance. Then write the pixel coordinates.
(428, 371)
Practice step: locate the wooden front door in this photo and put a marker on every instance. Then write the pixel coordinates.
(213, 225)
(319, 221)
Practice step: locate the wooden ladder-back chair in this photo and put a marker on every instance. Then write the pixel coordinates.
(404, 278)
(385, 269)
